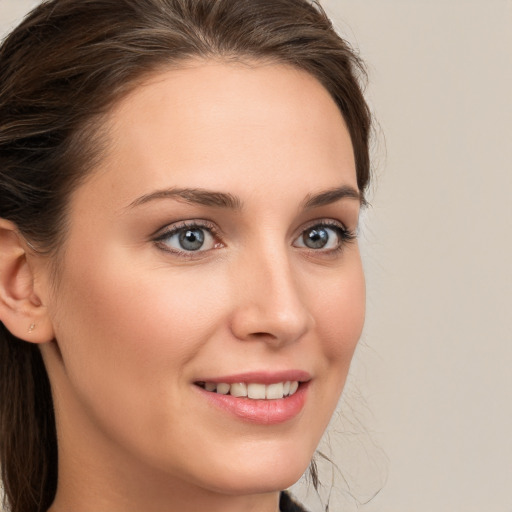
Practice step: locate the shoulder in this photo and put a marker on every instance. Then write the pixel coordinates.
(287, 504)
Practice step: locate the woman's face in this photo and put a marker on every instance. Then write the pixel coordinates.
(210, 251)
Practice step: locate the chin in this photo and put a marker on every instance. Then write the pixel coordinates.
(258, 475)
(270, 481)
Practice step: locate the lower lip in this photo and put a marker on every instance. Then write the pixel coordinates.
(263, 412)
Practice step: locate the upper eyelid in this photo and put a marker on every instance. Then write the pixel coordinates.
(213, 228)
(329, 222)
(325, 222)
(174, 227)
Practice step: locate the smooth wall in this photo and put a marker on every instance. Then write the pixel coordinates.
(426, 423)
(438, 376)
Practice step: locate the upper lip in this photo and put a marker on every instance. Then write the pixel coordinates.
(260, 377)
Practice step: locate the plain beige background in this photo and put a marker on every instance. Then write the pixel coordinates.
(432, 380)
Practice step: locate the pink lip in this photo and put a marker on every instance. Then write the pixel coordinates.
(263, 412)
(261, 377)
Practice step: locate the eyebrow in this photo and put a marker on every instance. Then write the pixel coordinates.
(331, 196)
(232, 202)
(193, 195)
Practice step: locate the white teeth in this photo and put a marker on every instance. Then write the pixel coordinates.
(274, 390)
(223, 388)
(238, 389)
(254, 391)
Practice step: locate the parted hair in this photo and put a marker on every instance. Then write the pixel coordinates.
(61, 72)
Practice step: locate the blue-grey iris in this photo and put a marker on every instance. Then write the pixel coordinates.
(191, 239)
(315, 238)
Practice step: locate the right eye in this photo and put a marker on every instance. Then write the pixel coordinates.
(187, 238)
(325, 237)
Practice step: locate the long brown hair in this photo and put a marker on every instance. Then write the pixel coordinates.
(63, 68)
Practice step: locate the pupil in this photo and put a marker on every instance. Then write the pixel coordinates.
(316, 238)
(191, 239)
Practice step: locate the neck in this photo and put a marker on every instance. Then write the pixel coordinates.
(267, 503)
(107, 484)
(176, 496)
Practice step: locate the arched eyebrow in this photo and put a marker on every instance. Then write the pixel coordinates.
(226, 200)
(331, 196)
(192, 195)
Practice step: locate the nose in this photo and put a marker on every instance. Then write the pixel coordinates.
(270, 305)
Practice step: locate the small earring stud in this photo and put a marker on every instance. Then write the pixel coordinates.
(31, 328)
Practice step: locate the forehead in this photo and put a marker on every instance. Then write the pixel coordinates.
(230, 121)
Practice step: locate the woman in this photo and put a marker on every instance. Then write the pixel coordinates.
(181, 290)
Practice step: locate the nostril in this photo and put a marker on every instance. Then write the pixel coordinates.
(277, 318)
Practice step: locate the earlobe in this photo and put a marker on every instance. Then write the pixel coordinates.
(21, 310)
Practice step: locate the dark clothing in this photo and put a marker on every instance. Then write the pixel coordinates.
(286, 504)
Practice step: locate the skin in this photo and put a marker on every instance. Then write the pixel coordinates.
(135, 323)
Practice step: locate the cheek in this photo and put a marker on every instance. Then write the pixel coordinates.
(340, 313)
(338, 307)
(127, 339)
(123, 333)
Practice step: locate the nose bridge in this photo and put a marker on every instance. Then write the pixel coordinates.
(270, 302)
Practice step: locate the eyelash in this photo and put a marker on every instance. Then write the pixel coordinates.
(345, 236)
(191, 225)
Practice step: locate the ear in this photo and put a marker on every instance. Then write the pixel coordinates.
(21, 310)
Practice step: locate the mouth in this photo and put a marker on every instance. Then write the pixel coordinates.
(261, 397)
(253, 390)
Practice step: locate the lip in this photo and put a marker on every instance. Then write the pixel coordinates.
(261, 377)
(262, 412)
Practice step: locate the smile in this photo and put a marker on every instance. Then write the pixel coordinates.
(255, 391)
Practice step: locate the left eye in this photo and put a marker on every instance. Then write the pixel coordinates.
(320, 237)
(188, 239)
